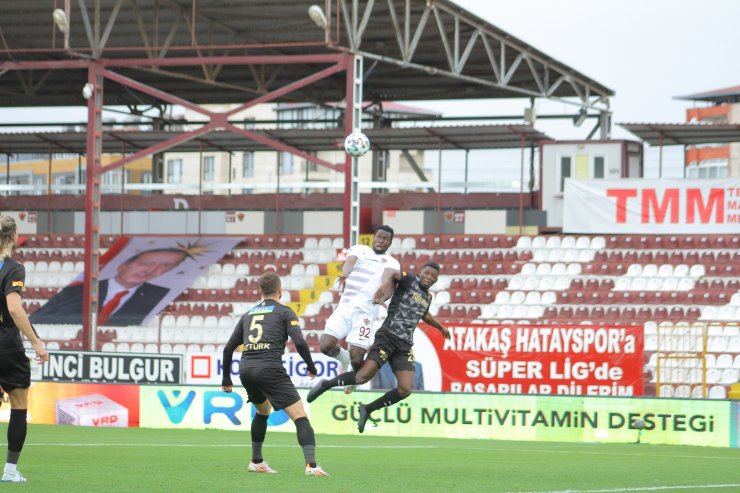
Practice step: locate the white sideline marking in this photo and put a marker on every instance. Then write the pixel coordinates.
(222, 445)
(191, 445)
(646, 488)
(593, 452)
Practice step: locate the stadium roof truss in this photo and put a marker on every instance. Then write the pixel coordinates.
(196, 52)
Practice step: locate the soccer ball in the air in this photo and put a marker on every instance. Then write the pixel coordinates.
(356, 144)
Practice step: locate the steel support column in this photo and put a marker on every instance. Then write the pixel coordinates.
(92, 206)
(352, 123)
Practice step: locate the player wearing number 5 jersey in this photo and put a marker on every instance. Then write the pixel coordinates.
(263, 331)
(364, 271)
(394, 341)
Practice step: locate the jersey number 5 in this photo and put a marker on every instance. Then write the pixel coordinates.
(255, 327)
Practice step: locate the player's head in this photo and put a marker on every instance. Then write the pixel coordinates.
(429, 274)
(271, 286)
(8, 235)
(147, 265)
(382, 239)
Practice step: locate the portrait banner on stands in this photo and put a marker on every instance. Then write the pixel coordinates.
(533, 359)
(665, 206)
(81, 366)
(143, 275)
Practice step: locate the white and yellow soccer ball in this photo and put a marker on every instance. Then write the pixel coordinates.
(356, 144)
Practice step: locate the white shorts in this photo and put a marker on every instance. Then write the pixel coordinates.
(354, 323)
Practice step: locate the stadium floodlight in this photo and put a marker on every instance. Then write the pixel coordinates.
(87, 91)
(580, 117)
(60, 19)
(317, 16)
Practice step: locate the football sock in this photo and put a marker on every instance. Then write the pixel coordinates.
(340, 380)
(388, 399)
(17, 428)
(259, 430)
(306, 440)
(343, 356)
(10, 468)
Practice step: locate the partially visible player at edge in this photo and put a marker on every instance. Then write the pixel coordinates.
(394, 340)
(263, 331)
(15, 368)
(362, 274)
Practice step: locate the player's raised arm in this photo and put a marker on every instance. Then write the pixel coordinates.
(385, 291)
(429, 319)
(347, 268)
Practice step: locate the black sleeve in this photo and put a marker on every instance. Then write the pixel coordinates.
(406, 280)
(15, 280)
(294, 331)
(236, 338)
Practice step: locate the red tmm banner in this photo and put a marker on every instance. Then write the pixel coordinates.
(541, 359)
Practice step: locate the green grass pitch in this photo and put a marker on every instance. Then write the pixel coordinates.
(62, 458)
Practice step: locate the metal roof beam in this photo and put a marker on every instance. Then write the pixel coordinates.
(505, 55)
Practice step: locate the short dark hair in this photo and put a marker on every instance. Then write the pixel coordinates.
(433, 265)
(384, 227)
(269, 283)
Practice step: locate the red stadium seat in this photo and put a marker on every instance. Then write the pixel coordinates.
(582, 313)
(606, 285)
(644, 313)
(566, 314)
(444, 312)
(470, 283)
(612, 314)
(660, 314)
(456, 283)
(482, 257)
(597, 313)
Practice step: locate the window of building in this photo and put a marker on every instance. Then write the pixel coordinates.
(709, 168)
(174, 171)
(286, 163)
(565, 162)
(248, 165)
(598, 166)
(209, 168)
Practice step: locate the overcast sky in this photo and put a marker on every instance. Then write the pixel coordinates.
(647, 51)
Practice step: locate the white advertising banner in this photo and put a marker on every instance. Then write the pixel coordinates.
(208, 368)
(652, 206)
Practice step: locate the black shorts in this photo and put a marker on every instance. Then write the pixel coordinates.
(15, 371)
(272, 384)
(388, 348)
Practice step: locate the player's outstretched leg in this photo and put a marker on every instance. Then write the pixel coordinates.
(388, 399)
(325, 384)
(259, 430)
